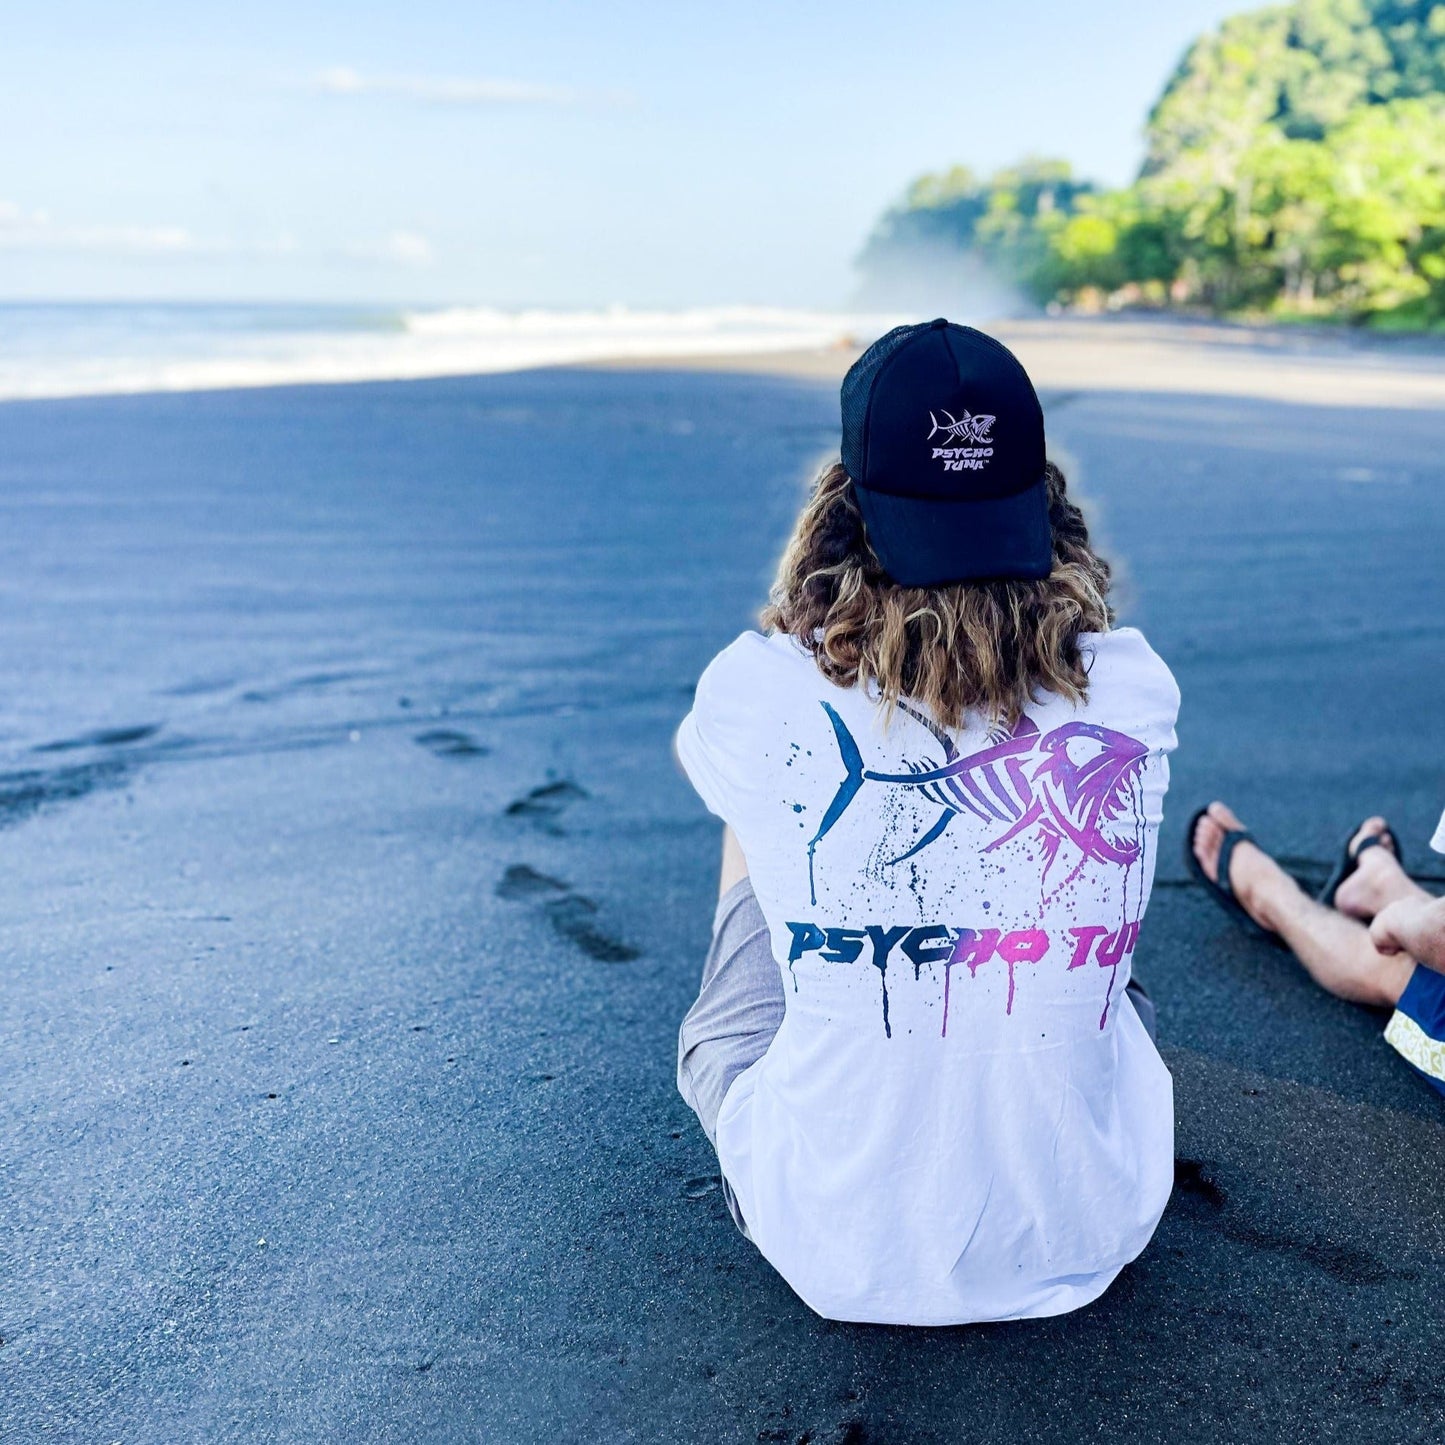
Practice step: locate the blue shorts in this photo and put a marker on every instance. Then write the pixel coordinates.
(1416, 1030)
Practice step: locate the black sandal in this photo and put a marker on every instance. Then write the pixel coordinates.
(1350, 859)
(1219, 888)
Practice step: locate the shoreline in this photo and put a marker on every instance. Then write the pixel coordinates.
(1069, 354)
(1164, 354)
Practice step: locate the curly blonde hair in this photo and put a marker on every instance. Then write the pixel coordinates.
(988, 648)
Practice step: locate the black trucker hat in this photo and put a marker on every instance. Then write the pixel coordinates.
(943, 437)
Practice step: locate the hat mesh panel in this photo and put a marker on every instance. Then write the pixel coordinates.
(858, 387)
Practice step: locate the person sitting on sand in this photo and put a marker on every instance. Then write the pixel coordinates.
(1373, 936)
(917, 1048)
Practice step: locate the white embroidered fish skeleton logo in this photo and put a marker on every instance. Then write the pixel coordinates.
(967, 429)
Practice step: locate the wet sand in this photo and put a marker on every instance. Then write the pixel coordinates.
(351, 902)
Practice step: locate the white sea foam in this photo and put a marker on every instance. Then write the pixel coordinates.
(55, 351)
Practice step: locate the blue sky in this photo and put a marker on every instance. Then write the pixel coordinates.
(531, 154)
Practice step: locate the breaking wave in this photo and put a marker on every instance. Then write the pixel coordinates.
(79, 350)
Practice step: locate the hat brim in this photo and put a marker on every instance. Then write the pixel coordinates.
(927, 542)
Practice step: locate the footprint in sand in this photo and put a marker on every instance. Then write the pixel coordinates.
(521, 882)
(309, 682)
(450, 743)
(23, 794)
(199, 687)
(101, 738)
(572, 916)
(544, 805)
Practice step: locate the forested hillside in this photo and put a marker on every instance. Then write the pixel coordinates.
(1295, 166)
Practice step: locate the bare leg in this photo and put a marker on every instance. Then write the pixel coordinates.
(734, 862)
(1335, 950)
(1378, 879)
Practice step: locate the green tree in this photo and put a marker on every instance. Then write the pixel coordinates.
(1295, 165)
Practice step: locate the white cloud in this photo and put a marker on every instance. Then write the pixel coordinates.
(36, 230)
(408, 247)
(22, 230)
(399, 248)
(454, 90)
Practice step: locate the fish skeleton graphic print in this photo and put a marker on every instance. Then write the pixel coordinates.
(1078, 783)
(969, 427)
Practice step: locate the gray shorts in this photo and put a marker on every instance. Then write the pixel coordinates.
(740, 1007)
(738, 1010)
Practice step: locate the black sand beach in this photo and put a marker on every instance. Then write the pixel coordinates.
(351, 903)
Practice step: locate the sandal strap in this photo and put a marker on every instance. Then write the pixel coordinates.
(1376, 840)
(1232, 838)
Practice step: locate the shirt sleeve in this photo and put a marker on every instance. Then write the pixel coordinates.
(1150, 692)
(1438, 841)
(714, 739)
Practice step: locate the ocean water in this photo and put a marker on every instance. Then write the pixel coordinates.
(52, 350)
